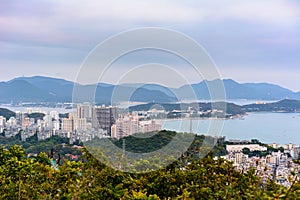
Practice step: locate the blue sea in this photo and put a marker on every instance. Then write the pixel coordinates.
(267, 127)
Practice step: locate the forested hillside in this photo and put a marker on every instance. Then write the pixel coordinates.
(39, 177)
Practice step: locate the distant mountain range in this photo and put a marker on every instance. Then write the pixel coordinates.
(46, 89)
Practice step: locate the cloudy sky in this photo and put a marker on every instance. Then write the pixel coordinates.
(250, 41)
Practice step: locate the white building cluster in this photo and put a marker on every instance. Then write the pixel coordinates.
(277, 165)
(25, 126)
(130, 124)
(86, 123)
(239, 148)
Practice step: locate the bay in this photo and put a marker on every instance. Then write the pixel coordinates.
(268, 127)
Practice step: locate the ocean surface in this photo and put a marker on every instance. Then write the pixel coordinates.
(267, 127)
(36, 109)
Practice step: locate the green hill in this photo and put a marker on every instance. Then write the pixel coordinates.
(7, 113)
(286, 105)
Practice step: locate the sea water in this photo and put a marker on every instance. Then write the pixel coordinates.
(268, 127)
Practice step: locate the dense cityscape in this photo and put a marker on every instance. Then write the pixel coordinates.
(86, 122)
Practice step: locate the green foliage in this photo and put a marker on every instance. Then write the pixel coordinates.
(261, 153)
(142, 143)
(23, 177)
(281, 149)
(286, 105)
(246, 151)
(231, 109)
(35, 178)
(36, 116)
(63, 115)
(33, 146)
(7, 113)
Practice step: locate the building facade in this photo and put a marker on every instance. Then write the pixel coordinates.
(104, 118)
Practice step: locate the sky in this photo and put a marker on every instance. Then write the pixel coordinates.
(249, 41)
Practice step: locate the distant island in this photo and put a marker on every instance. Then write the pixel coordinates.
(286, 105)
(203, 110)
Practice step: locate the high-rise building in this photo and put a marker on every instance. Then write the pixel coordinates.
(67, 124)
(149, 126)
(2, 121)
(104, 118)
(54, 115)
(19, 117)
(73, 123)
(26, 122)
(85, 111)
(12, 121)
(295, 152)
(79, 124)
(48, 120)
(125, 126)
(114, 131)
(55, 125)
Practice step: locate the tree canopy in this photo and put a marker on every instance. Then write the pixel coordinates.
(207, 178)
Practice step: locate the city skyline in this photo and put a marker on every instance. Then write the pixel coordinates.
(255, 41)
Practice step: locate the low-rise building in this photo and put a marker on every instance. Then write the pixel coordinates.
(240, 147)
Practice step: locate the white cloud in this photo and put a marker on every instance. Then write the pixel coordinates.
(276, 12)
(73, 20)
(235, 31)
(170, 11)
(81, 21)
(134, 11)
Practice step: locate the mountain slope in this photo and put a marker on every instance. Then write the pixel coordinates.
(38, 89)
(60, 88)
(21, 89)
(235, 90)
(270, 91)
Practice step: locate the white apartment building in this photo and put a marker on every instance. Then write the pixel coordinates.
(79, 124)
(12, 122)
(74, 123)
(240, 147)
(289, 146)
(125, 126)
(67, 124)
(2, 121)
